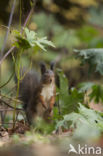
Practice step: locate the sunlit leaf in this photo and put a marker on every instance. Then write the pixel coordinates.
(30, 40)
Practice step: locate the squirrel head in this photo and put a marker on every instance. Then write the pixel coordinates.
(48, 76)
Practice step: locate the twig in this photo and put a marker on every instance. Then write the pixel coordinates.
(9, 105)
(12, 48)
(12, 90)
(25, 23)
(8, 52)
(7, 81)
(2, 110)
(10, 98)
(9, 24)
(6, 123)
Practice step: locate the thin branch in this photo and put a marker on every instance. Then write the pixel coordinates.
(10, 98)
(28, 17)
(8, 52)
(2, 110)
(7, 123)
(7, 81)
(12, 48)
(9, 105)
(9, 24)
(11, 91)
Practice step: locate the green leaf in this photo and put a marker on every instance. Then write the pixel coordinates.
(30, 40)
(94, 57)
(97, 93)
(30, 36)
(45, 41)
(83, 87)
(84, 122)
(68, 100)
(40, 45)
(21, 42)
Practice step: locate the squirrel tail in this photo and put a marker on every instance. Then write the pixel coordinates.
(27, 87)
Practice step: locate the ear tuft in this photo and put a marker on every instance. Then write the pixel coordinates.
(43, 67)
(52, 65)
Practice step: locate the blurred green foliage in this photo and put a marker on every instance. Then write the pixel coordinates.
(68, 100)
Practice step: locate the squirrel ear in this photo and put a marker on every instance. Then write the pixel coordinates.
(43, 67)
(52, 64)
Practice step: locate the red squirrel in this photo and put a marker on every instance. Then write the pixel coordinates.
(38, 94)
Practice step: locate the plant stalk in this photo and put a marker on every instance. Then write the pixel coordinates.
(18, 84)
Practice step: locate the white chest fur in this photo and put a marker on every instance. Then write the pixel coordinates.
(47, 91)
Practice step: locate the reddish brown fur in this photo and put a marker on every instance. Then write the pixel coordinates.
(52, 100)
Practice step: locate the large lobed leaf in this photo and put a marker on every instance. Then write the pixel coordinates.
(94, 57)
(31, 40)
(86, 123)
